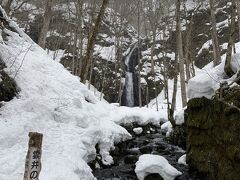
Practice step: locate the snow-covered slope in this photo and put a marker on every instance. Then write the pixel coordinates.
(54, 102)
(209, 78)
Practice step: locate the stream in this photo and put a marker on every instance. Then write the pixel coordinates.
(150, 141)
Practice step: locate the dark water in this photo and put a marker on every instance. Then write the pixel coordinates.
(126, 155)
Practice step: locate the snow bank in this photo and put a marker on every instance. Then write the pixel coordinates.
(149, 164)
(208, 79)
(55, 103)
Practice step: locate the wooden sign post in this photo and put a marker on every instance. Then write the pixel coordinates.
(33, 159)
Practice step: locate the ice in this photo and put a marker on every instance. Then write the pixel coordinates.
(149, 164)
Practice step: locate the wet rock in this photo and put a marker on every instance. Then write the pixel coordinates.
(126, 154)
(178, 136)
(153, 177)
(8, 87)
(130, 159)
(146, 149)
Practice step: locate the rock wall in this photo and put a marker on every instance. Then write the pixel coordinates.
(213, 138)
(8, 87)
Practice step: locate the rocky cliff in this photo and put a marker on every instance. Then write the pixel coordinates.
(213, 136)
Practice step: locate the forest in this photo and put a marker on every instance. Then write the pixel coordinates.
(119, 89)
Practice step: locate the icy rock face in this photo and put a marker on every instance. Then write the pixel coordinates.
(153, 164)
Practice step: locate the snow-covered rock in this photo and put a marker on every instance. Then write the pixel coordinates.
(208, 79)
(149, 164)
(206, 82)
(182, 160)
(138, 130)
(167, 128)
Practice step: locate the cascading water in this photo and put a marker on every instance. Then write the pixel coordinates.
(129, 81)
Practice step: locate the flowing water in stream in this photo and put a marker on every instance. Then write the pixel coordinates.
(126, 154)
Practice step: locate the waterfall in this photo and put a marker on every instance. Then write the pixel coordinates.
(129, 81)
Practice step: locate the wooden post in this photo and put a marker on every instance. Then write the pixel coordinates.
(33, 159)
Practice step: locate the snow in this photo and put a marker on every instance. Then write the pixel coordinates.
(96, 93)
(182, 160)
(161, 103)
(56, 55)
(167, 128)
(149, 163)
(138, 130)
(179, 116)
(107, 53)
(54, 102)
(208, 79)
(206, 45)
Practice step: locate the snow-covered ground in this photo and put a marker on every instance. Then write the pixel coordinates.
(54, 102)
(161, 102)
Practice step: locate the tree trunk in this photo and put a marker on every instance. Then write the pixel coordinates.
(238, 14)
(216, 48)
(7, 6)
(180, 54)
(188, 45)
(87, 63)
(227, 68)
(152, 51)
(46, 22)
(139, 66)
(79, 10)
(174, 95)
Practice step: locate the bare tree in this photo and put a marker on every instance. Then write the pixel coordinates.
(188, 40)
(227, 68)
(180, 54)
(216, 48)
(90, 47)
(7, 5)
(238, 14)
(139, 63)
(46, 22)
